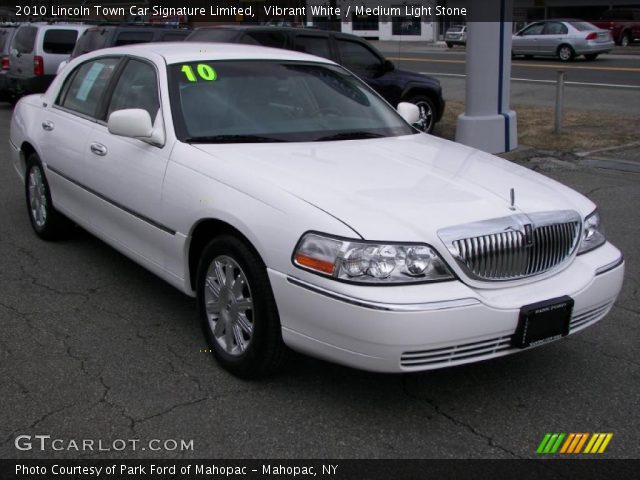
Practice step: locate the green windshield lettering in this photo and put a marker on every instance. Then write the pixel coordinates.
(205, 72)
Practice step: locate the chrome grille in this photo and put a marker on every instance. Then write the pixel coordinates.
(523, 246)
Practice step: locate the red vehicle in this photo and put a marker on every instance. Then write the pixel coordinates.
(624, 24)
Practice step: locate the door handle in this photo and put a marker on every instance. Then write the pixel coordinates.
(48, 125)
(98, 149)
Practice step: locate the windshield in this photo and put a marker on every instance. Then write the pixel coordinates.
(276, 101)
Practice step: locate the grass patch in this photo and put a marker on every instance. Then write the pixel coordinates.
(581, 131)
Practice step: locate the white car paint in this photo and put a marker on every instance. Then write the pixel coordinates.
(396, 189)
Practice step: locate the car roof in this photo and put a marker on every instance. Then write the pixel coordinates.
(176, 52)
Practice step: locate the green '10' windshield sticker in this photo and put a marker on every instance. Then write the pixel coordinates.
(203, 71)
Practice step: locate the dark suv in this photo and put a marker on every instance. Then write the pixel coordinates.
(348, 50)
(104, 36)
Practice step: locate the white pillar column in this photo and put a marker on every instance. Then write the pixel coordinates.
(487, 123)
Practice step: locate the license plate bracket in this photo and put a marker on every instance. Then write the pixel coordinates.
(543, 322)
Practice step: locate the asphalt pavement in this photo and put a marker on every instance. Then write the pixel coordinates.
(95, 347)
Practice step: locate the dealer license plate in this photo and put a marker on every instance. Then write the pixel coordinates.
(543, 322)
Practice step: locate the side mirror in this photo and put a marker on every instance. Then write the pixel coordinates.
(388, 66)
(131, 122)
(409, 111)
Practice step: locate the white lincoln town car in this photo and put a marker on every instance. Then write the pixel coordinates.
(303, 211)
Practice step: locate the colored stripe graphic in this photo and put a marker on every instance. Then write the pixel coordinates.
(543, 443)
(573, 443)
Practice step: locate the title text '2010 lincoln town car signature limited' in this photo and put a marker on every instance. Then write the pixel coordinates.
(302, 210)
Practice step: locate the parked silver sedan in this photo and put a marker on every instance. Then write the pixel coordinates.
(564, 39)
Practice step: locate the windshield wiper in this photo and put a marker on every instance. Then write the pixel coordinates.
(232, 139)
(354, 135)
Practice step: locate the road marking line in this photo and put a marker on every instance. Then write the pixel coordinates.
(526, 65)
(607, 149)
(533, 80)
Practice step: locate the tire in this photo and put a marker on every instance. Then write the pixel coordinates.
(565, 53)
(237, 310)
(528, 57)
(449, 45)
(45, 220)
(625, 39)
(427, 112)
(591, 57)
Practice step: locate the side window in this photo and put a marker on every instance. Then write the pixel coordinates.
(314, 45)
(555, 28)
(266, 39)
(535, 29)
(84, 88)
(137, 87)
(129, 38)
(355, 56)
(25, 39)
(59, 42)
(174, 37)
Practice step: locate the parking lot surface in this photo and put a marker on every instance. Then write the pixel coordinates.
(95, 347)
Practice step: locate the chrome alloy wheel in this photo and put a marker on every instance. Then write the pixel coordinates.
(565, 53)
(229, 305)
(425, 120)
(37, 197)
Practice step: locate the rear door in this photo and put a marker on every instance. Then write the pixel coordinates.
(22, 51)
(553, 35)
(64, 134)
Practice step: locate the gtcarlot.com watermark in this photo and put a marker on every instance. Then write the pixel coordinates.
(44, 443)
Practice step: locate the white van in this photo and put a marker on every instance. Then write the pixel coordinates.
(36, 51)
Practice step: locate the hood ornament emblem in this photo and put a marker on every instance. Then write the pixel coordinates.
(512, 195)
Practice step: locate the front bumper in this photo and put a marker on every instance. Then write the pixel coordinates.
(468, 325)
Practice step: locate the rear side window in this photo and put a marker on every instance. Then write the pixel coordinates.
(90, 40)
(84, 88)
(555, 28)
(129, 38)
(313, 45)
(212, 35)
(355, 56)
(25, 39)
(59, 42)
(267, 39)
(174, 37)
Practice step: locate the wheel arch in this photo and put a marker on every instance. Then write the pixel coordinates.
(201, 234)
(26, 150)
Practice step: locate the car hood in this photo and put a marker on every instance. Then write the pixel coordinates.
(400, 188)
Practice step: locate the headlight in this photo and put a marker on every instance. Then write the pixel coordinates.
(592, 233)
(367, 262)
